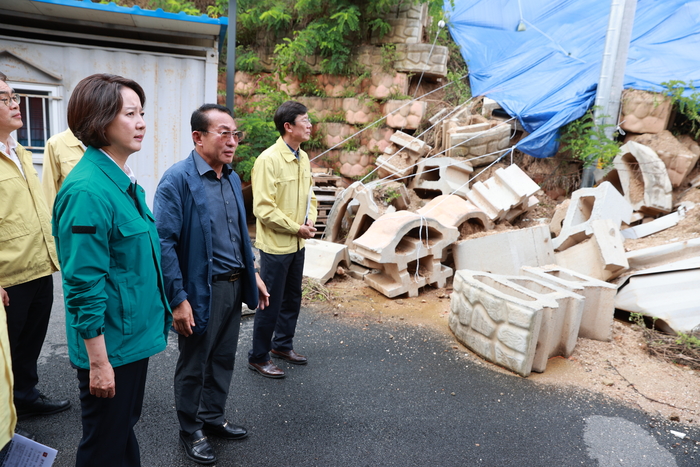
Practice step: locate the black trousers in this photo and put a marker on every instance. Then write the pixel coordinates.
(274, 327)
(205, 365)
(27, 321)
(108, 424)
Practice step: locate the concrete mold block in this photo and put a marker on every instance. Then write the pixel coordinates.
(321, 259)
(560, 326)
(505, 252)
(644, 179)
(480, 143)
(454, 211)
(403, 114)
(441, 176)
(601, 256)
(427, 59)
(588, 205)
(497, 319)
(644, 112)
(365, 213)
(507, 189)
(410, 143)
(599, 298)
(676, 156)
(406, 248)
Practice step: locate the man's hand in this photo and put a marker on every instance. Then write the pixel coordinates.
(306, 230)
(5, 297)
(263, 296)
(183, 319)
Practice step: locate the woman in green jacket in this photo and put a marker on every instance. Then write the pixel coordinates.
(117, 314)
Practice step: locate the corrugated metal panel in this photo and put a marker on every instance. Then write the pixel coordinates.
(174, 87)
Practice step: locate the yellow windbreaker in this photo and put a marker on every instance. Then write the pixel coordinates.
(281, 188)
(27, 251)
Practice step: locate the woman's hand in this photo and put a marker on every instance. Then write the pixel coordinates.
(102, 383)
(263, 295)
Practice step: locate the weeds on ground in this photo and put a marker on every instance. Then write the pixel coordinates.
(313, 291)
(681, 349)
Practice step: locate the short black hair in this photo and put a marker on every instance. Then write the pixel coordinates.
(199, 120)
(95, 103)
(288, 113)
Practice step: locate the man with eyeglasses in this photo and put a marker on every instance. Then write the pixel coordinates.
(284, 205)
(209, 270)
(27, 261)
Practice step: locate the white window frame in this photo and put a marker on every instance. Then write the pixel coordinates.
(55, 96)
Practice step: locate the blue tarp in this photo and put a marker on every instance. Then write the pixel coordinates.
(547, 75)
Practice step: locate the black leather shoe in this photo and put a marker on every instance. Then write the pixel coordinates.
(197, 447)
(226, 430)
(41, 406)
(25, 433)
(267, 369)
(290, 356)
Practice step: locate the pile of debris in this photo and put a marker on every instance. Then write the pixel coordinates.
(521, 296)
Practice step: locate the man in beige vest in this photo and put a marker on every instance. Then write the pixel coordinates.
(27, 260)
(62, 152)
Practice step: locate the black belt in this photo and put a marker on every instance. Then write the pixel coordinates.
(231, 276)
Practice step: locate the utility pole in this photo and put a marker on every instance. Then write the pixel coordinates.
(231, 55)
(612, 72)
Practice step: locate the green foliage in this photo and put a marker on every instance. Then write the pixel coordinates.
(388, 57)
(353, 144)
(582, 139)
(316, 142)
(688, 106)
(458, 92)
(334, 117)
(689, 341)
(175, 6)
(390, 195)
(309, 88)
(247, 60)
(259, 129)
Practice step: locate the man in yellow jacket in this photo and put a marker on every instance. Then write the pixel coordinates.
(284, 205)
(27, 260)
(61, 153)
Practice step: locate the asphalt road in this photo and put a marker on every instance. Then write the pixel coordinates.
(387, 394)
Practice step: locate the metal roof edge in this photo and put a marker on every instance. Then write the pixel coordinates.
(138, 11)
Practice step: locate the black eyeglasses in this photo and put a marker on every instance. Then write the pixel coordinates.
(13, 97)
(225, 135)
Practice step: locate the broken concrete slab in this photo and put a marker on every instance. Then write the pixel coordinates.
(398, 166)
(497, 319)
(667, 293)
(599, 304)
(663, 254)
(655, 226)
(555, 224)
(601, 256)
(507, 189)
(644, 179)
(441, 176)
(588, 205)
(560, 326)
(407, 248)
(505, 252)
(322, 259)
(677, 157)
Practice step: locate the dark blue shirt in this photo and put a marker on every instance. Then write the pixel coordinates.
(223, 213)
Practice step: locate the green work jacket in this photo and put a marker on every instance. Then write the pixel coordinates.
(109, 252)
